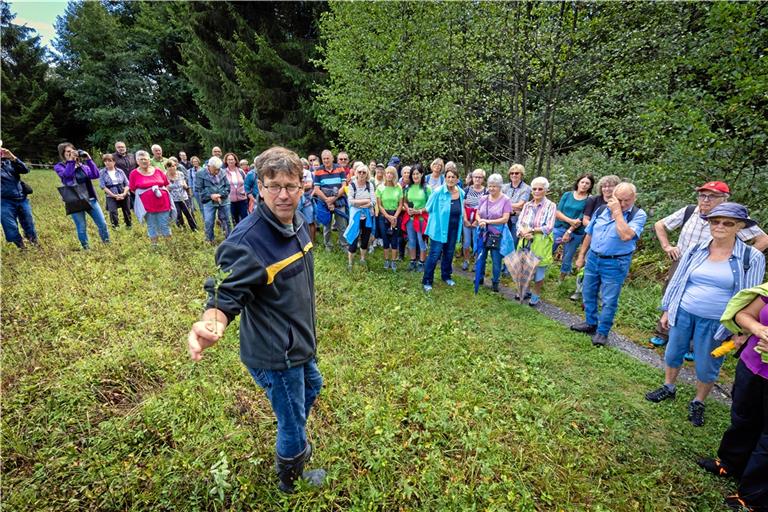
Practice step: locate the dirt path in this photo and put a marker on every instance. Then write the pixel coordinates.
(643, 354)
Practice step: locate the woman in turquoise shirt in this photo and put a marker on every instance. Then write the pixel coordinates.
(569, 228)
(445, 208)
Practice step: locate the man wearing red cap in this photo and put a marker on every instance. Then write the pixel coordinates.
(695, 230)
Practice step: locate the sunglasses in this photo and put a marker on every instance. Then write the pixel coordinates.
(515, 173)
(537, 188)
(719, 222)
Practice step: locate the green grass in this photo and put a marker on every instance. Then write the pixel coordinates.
(440, 402)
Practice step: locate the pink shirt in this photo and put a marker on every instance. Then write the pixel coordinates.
(752, 359)
(152, 203)
(236, 185)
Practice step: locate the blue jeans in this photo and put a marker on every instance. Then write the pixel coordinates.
(415, 237)
(513, 231)
(98, 218)
(702, 331)
(199, 203)
(569, 248)
(605, 276)
(292, 393)
(158, 224)
(495, 261)
(469, 237)
(211, 211)
(13, 212)
(443, 252)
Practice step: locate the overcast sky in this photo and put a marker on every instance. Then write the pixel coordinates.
(39, 15)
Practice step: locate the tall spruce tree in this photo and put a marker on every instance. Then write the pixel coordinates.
(250, 66)
(28, 106)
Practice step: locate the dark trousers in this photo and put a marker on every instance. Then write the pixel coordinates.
(744, 447)
(362, 239)
(113, 205)
(443, 252)
(239, 210)
(182, 210)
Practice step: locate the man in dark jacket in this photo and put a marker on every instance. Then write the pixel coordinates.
(14, 203)
(267, 275)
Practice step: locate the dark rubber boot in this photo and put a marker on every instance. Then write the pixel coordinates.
(289, 470)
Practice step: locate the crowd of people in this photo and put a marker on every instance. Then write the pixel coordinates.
(421, 216)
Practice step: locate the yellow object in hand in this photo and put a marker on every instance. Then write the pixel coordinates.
(723, 349)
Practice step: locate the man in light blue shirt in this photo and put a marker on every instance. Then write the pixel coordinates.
(611, 238)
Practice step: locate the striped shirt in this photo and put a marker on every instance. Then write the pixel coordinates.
(541, 216)
(472, 198)
(696, 229)
(698, 254)
(331, 181)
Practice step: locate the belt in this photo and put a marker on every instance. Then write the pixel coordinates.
(611, 256)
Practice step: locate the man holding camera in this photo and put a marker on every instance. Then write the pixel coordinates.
(14, 204)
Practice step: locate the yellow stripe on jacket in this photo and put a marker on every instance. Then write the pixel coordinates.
(274, 268)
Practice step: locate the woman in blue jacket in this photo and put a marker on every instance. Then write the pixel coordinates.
(445, 207)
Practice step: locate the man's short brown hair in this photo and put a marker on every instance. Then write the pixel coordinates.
(278, 160)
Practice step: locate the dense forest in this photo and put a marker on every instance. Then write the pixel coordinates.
(667, 94)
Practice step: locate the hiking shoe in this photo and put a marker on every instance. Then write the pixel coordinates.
(735, 502)
(386, 264)
(412, 266)
(658, 341)
(713, 466)
(420, 266)
(349, 267)
(689, 356)
(584, 327)
(599, 340)
(696, 413)
(575, 296)
(450, 282)
(495, 287)
(660, 394)
(393, 267)
(465, 265)
(427, 288)
(364, 262)
(535, 299)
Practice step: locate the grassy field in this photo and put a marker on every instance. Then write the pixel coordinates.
(440, 402)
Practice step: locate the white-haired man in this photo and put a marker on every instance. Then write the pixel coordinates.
(611, 239)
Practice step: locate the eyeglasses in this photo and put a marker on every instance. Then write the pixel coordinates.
(515, 173)
(275, 189)
(710, 197)
(537, 188)
(719, 222)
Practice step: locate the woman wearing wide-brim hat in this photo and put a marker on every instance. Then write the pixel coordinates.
(709, 274)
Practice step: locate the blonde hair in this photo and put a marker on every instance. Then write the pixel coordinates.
(390, 170)
(439, 162)
(517, 167)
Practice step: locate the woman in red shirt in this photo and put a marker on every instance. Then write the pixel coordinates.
(153, 201)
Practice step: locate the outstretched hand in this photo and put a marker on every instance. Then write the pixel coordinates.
(204, 334)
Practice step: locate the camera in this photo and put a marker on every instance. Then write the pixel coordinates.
(81, 153)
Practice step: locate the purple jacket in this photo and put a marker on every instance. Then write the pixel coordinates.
(66, 171)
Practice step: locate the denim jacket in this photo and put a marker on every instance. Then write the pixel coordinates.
(698, 254)
(439, 209)
(206, 186)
